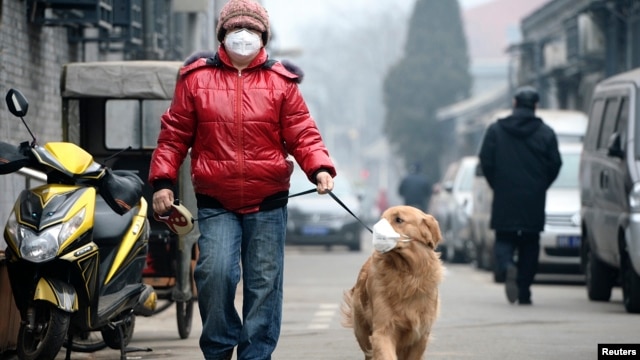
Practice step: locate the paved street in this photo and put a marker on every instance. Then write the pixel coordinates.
(476, 322)
(311, 329)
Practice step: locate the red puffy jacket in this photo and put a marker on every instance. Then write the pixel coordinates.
(240, 126)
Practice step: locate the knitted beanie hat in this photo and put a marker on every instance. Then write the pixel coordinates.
(243, 13)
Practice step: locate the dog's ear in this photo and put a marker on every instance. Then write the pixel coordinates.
(433, 235)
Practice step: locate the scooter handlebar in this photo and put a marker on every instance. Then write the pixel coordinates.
(13, 158)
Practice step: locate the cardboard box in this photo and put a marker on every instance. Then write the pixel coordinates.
(10, 323)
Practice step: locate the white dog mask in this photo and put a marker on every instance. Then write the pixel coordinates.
(385, 238)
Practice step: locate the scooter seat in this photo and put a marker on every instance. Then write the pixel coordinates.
(109, 227)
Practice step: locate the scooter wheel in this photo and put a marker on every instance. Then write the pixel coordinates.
(86, 342)
(112, 336)
(184, 316)
(46, 339)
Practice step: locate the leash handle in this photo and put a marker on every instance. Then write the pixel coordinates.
(348, 210)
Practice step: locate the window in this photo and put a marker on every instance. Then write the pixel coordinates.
(134, 123)
(595, 121)
(568, 176)
(621, 124)
(466, 177)
(122, 124)
(608, 122)
(152, 110)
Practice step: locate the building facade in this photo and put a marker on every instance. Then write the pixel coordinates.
(566, 47)
(569, 45)
(38, 37)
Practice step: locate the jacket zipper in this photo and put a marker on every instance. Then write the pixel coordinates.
(239, 152)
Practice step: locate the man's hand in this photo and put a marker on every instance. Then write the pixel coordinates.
(162, 201)
(324, 181)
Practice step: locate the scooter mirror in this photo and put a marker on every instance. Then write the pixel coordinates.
(17, 103)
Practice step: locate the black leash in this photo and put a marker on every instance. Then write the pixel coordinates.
(292, 196)
(348, 210)
(250, 206)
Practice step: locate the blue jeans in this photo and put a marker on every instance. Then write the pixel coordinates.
(231, 245)
(527, 246)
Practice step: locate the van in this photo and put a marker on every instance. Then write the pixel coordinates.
(560, 240)
(610, 191)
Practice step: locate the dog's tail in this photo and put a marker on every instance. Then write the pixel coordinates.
(346, 309)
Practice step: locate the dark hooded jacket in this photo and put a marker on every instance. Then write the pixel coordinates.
(415, 188)
(520, 159)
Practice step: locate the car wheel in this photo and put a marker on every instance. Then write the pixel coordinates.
(498, 277)
(443, 252)
(599, 278)
(354, 246)
(487, 257)
(458, 256)
(480, 259)
(630, 285)
(469, 252)
(448, 250)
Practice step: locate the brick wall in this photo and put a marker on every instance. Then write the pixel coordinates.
(31, 57)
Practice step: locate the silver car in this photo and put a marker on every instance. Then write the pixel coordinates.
(610, 191)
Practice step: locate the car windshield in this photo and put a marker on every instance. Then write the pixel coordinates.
(568, 176)
(300, 183)
(467, 175)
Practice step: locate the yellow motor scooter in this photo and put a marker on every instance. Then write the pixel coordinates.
(76, 247)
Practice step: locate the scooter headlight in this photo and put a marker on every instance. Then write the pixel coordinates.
(45, 245)
(70, 227)
(39, 247)
(12, 226)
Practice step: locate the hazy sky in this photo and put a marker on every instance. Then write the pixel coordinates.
(287, 16)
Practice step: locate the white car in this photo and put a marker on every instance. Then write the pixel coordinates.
(561, 239)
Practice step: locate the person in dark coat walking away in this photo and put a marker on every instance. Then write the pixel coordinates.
(415, 188)
(520, 159)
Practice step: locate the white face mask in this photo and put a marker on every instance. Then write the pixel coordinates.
(243, 43)
(385, 238)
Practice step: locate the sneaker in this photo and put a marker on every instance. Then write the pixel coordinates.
(525, 302)
(511, 283)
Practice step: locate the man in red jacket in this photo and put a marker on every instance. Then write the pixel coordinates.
(241, 115)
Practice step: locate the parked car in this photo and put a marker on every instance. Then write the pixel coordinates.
(610, 191)
(318, 219)
(451, 205)
(561, 238)
(570, 127)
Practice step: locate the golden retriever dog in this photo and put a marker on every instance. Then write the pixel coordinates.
(395, 300)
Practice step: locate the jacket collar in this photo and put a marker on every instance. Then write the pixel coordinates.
(258, 61)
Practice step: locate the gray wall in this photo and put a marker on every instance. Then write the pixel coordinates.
(31, 57)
